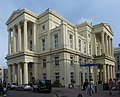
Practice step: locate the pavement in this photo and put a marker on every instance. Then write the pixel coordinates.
(66, 92)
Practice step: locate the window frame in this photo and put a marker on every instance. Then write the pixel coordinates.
(56, 40)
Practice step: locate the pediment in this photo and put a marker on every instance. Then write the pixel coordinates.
(108, 28)
(14, 15)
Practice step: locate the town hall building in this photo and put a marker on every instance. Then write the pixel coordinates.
(47, 46)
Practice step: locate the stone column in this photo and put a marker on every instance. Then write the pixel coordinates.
(14, 40)
(77, 77)
(76, 40)
(13, 73)
(25, 36)
(64, 36)
(9, 41)
(112, 51)
(111, 70)
(35, 71)
(108, 71)
(19, 37)
(25, 73)
(9, 74)
(107, 44)
(95, 69)
(34, 37)
(19, 74)
(110, 45)
(104, 74)
(103, 43)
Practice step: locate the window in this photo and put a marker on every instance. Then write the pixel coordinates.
(85, 61)
(79, 44)
(90, 49)
(57, 76)
(84, 47)
(72, 75)
(71, 60)
(97, 50)
(30, 45)
(44, 76)
(44, 62)
(43, 27)
(80, 60)
(71, 41)
(56, 61)
(56, 40)
(89, 35)
(118, 67)
(43, 44)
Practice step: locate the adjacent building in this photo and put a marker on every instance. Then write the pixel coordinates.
(47, 46)
(117, 61)
(1, 74)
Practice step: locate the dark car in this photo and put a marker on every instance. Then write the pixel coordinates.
(20, 88)
(43, 86)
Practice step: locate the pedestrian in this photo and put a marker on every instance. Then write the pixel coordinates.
(2, 92)
(90, 90)
(110, 84)
(85, 84)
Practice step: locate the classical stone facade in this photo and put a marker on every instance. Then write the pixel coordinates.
(47, 46)
(117, 61)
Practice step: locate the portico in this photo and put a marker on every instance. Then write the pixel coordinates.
(21, 40)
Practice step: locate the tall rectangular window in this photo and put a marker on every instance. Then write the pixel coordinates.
(84, 47)
(44, 62)
(79, 44)
(44, 76)
(43, 44)
(97, 50)
(72, 75)
(71, 41)
(56, 61)
(80, 60)
(90, 49)
(57, 76)
(71, 60)
(85, 75)
(56, 40)
(30, 45)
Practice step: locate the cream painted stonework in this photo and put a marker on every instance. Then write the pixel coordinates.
(47, 46)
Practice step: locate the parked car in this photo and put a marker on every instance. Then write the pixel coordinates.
(35, 88)
(43, 86)
(20, 88)
(13, 86)
(27, 87)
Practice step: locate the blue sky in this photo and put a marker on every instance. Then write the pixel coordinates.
(76, 11)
